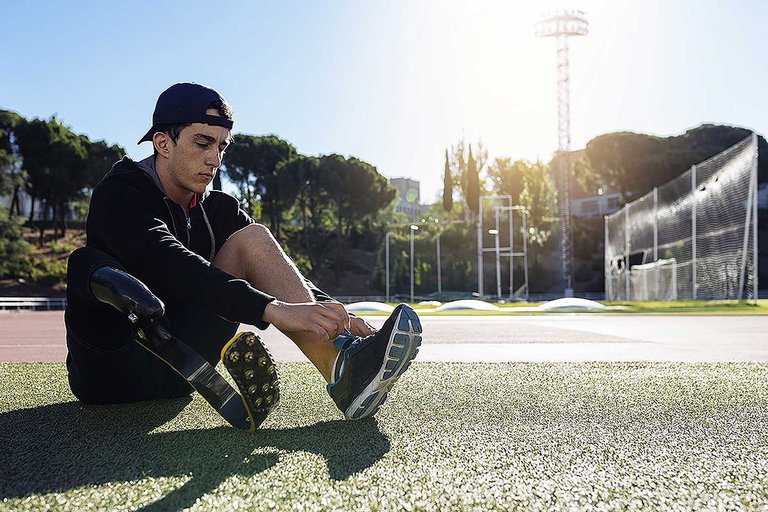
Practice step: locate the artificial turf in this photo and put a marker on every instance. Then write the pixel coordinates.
(452, 436)
(682, 307)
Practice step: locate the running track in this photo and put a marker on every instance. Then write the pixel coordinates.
(39, 336)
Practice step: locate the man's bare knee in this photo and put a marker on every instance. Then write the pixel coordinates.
(242, 247)
(253, 254)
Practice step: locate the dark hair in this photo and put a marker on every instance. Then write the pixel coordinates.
(222, 107)
(174, 130)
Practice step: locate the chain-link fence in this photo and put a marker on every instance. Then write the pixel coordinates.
(692, 238)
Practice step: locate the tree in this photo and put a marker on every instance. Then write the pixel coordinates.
(531, 186)
(55, 160)
(472, 190)
(101, 157)
(460, 170)
(539, 198)
(300, 179)
(357, 191)
(13, 249)
(238, 164)
(507, 177)
(447, 185)
(12, 176)
(251, 163)
(634, 163)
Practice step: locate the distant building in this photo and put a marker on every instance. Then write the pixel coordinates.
(409, 198)
(587, 203)
(593, 203)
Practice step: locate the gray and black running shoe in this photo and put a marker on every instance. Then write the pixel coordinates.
(367, 368)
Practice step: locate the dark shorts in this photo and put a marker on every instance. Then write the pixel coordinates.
(131, 373)
(126, 372)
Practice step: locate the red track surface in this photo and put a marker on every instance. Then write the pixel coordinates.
(32, 336)
(39, 336)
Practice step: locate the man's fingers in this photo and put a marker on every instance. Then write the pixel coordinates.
(336, 316)
(326, 320)
(320, 331)
(327, 324)
(360, 327)
(339, 308)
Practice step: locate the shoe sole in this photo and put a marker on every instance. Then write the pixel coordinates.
(254, 371)
(402, 347)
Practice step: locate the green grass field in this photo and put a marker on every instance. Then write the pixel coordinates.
(452, 436)
(684, 307)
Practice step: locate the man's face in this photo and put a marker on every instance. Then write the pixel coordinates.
(197, 154)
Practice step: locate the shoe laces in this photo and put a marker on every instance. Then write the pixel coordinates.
(346, 341)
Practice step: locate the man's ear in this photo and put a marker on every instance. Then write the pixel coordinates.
(162, 143)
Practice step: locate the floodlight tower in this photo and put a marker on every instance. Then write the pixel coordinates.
(562, 24)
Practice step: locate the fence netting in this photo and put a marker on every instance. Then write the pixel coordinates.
(692, 238)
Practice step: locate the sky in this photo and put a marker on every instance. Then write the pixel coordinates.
(393, 82)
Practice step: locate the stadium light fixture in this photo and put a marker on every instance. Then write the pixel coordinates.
(563, 24)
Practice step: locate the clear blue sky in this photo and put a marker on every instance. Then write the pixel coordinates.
(393, 82)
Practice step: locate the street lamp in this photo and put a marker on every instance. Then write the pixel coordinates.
(386, 237)
(439, 279)
(414, 228)
(495, 233)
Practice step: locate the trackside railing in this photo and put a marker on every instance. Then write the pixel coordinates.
(33, 303)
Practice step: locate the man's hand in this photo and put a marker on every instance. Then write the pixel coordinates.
(360, 327)
(326, 319)
(355, 325)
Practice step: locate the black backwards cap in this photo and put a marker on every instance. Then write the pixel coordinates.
(185, 103)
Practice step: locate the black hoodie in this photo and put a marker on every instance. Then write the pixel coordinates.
(131, 219)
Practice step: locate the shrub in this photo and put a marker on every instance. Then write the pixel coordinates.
(14, 250)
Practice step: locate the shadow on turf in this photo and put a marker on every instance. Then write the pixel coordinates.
(59, 447)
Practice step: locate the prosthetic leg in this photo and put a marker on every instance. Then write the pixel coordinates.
(245, 357)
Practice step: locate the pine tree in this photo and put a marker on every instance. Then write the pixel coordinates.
(472, 193)
(447, 186)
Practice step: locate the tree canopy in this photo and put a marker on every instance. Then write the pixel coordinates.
(251, 162)
(55, 161)
(12, 176)
(55, 165)
(634, 163)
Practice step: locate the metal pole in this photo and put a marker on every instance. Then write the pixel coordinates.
(511, 254)
(655, 243)
(655, 223)
(480, 248)
(498, 259)
(525, 252)
(412, 231)
(439, 279)
(754, 221)
(626, 253)
(745, 239)
(693, 231)
(386, 237)
(607, 263)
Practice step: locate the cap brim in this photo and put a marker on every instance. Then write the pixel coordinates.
(148, 136)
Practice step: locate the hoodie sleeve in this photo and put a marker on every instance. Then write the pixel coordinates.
(120, 217)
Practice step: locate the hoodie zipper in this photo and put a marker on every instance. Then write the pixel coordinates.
(189, 228)
(167, 202)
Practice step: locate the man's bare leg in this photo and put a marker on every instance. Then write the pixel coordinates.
(254, 255)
